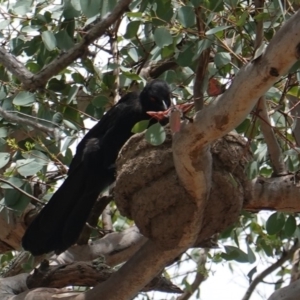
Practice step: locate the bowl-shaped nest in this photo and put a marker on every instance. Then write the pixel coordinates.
(148, 189)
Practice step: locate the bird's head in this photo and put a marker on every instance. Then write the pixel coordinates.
(156, 96)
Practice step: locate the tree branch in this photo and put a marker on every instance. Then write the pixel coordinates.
(21, 191)
(139, 269)
(40, 79)
(203, 61)
(199, 278)
(270, 138)
(286, 255)
(15, 67)
(12, 117)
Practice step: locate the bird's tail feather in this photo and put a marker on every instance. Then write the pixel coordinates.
(60, 222)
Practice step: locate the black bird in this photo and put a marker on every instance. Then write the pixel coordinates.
(60, 222)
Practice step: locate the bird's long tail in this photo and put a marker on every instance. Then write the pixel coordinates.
(60, 222)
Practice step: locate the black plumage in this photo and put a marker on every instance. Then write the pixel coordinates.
(60, 222)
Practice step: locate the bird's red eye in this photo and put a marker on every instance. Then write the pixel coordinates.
(152, 99)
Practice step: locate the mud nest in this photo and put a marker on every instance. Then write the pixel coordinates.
(149, 191)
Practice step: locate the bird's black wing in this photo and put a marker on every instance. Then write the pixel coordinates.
(100, 129)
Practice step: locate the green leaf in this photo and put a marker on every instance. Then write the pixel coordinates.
(132, 76)
(294, 91)
(186, 16)
(201, 46)
(290, 226)
(24, 99)
(252, 169)
(267, 248)
(49, 40)
(216, 29)
(4, 24)
(162, 37)
(167, 51)
(11, 197)
(251, 255)
(132, 29)
(70, 125)
(56, 85)
(107, 6)
(57, 118)
(72, 9)
(3, 132)
(251, 273)
(69, 140)
(196, 3)
(140, 126)
(132, 14)
(22, 7)
(133, 54)
(262, 17)
(155, 134)
(234, 253)
(243, 126)
(90, 7)
(77, 77)
(4, 159)
(295, 67)
(275, 223)
(38, 156)
(100, 101)
(3, 93)
(185, 57)
(33, 67)
(33, 46)
(216, 5)
(17, 46)
(28, 167)
(72, 93)
(13, 180)
(222, 58)
(243, 18)
(164, 11)
(17, 200)
(64, 41)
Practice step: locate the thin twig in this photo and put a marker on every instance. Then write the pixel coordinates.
(199, 278)
(286, 255)
(203, 61)
(21, 191)
(270, 138)
(265, 122)
(9, 116)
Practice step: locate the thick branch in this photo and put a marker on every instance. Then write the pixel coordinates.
(140, 269)
(13, 117)
(290, 292)
(270, 138)
(15, 67)
(277, 193)
(65, 59)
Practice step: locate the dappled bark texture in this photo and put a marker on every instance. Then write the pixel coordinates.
(149, 191)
